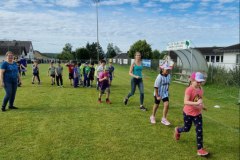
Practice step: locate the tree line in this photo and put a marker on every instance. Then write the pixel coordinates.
(91, 51)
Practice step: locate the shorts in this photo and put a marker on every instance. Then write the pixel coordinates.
(103, 87)
(35, 74)
(158, 101)
(52, 75)
(91, 77)
(70, 75)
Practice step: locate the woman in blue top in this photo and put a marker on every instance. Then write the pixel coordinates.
(9, 77)
(136, 72)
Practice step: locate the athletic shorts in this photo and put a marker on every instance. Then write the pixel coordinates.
(156, 101)
(70, 75)
(52, 75)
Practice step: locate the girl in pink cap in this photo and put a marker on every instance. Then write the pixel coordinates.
(193, 106)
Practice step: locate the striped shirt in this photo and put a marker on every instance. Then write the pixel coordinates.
(162, 83)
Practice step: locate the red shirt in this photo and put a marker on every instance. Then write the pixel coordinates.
(70, 68)
(194, 95)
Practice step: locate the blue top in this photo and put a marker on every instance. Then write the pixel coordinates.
(162, 83)
(137, 70)
(11, 71)
(111, 69)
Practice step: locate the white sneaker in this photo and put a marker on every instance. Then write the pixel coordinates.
(152, 120)
(165, 122)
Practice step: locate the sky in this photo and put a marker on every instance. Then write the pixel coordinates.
(50, 24)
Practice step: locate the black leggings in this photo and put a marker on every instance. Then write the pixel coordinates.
(198, 124)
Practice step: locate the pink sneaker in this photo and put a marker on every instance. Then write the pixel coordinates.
(202, 152)
(176, 134)
(165, 122)
(152, 120)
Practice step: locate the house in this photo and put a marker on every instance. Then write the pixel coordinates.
(121, 59)
(227, 57)
(19, 48)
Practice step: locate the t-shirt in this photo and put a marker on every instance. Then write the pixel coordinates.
(99, 70)
(195, 95)
(111, 69)
(76, 71)
(102, 75)
(52, 70)
(59, 70)
(92, 71)
(35, 69)
(162, 83)
(11, 71)
(70, 68)
(86, 70)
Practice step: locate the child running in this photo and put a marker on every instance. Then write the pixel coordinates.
(35, 70)
(104, 82)
(100, 68)
(51, 72)
(161, 87)
(193, 105)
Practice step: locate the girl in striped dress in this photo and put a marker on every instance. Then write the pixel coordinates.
(161, 92)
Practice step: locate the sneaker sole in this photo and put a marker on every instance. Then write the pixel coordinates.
(202, 154)
(165, 124)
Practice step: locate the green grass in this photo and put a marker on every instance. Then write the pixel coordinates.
(67, 123)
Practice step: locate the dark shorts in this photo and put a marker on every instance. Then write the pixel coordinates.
(158, 101)
(103, 87)
(70, 75)
(91, 77)
(53, 75)
(35, 74)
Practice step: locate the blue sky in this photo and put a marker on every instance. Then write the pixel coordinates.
(50, 24)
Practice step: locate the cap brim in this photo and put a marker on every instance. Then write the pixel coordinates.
(200, 80)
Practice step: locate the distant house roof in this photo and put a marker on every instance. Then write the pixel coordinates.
(232, 48)
(122, 55)
(17, 47)
(208, 50)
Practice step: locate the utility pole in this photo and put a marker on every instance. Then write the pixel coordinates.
(97, 3)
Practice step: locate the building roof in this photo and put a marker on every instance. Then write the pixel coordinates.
(208, 50)
(17, 47)
(122, 55)
(232, 48)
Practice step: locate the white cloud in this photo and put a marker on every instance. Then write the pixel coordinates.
(150, 4)
(118, 2)
(68, 3)
(227, 1)
(166, 1)
(181, 6)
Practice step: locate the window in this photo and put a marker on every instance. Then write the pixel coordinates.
(217, 58)
(238, 59)
(213, 59)
(207, 58)
(221, 58)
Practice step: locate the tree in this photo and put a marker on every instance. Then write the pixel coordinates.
(156, 54)
(117, 50)
(92, 48)
(143, 47)
(82, 54)
(110, 51)
(66, 53)
(163, 54)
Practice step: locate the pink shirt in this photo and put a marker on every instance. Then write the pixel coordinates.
(194, 95)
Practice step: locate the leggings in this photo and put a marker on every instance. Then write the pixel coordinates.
(198, 124)
(137, 82)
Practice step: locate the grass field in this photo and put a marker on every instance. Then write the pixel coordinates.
(67, 123)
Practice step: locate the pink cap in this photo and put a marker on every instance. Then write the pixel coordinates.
(165, 66)
(197, 76)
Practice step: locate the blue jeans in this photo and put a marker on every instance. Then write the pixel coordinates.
(137, 82)
(10, 88)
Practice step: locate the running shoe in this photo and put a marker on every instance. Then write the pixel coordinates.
(125, 101)
(143, 108)
(108, 101)
(165, 122)
(152, 120)
(202, 152)
(176, 134)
